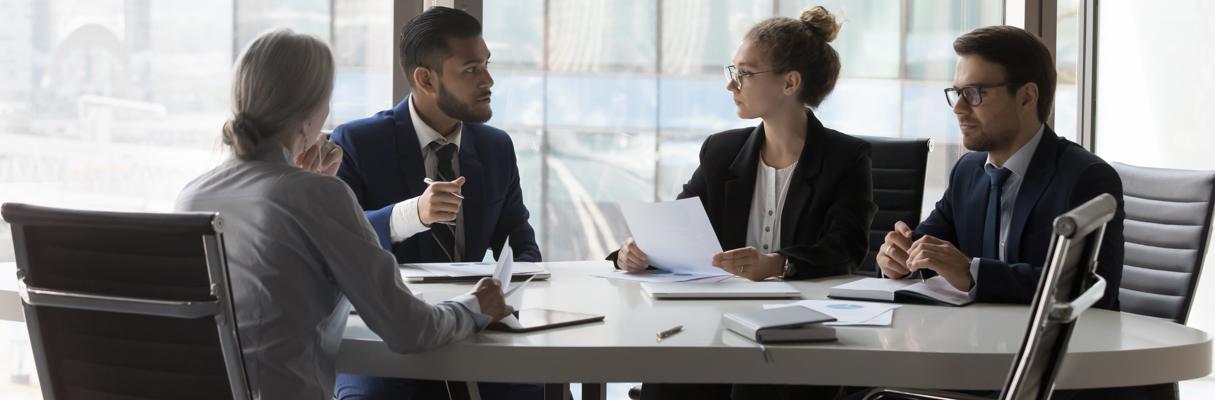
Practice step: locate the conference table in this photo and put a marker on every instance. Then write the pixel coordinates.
(927, 346)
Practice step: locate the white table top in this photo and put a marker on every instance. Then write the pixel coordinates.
(927, 346)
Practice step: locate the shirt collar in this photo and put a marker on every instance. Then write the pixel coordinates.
(1018, 164)
(426, 134)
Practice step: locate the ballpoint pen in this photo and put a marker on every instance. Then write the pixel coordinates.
(669, 332)
(429, 181)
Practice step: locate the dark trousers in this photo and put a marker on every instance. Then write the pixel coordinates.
(661, 391)
(362, 387)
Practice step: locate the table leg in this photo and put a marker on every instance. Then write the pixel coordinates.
(594, 391)
(556, 391)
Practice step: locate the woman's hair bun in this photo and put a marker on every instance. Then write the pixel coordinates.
(821, 22)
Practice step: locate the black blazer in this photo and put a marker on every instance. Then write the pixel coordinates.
(1061, 176)
(828, 207)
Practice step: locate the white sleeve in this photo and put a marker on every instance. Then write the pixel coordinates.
(405, 221)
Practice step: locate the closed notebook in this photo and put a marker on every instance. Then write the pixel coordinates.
(785, 324)
(934, 290)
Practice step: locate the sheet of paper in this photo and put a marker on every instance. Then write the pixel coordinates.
(676, 235)
(653, 276)
(506, 261)
(878, 284)
(468, 269)
(848, 312)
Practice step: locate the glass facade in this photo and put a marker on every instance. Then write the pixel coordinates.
(609, 101)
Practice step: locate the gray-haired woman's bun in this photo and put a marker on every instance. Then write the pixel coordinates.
(242, 134)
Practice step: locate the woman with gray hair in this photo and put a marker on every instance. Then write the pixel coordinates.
(300, 251)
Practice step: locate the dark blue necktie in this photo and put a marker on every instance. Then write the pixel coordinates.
(991, 228)
(445, 234)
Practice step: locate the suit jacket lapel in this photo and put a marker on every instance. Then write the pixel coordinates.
(410, 162)
(801, 184)
(1037, 178)
(474, 192)
(974, 215)
(738, 192)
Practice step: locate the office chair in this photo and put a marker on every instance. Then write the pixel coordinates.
(1168, 224)
(899, 166)
(1058, 302)
(127, 305)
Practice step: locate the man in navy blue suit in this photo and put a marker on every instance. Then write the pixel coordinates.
(436, 183)
(991, 230)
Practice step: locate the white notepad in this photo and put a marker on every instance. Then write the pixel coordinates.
(933, 290)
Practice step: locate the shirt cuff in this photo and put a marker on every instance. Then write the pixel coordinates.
(405, 221)
(469, 302)
(974, 278)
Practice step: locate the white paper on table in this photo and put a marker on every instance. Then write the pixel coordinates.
(848, 312)
(506, 261)
(675, 235)
(470, 269)
(653, 276)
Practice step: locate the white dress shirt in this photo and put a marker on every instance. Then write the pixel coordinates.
(300, 253)
(1018, 165)
(767, 204)
(405, 221)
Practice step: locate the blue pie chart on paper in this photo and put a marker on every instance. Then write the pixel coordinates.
(845, 306)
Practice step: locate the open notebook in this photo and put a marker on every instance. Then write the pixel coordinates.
(934, 290)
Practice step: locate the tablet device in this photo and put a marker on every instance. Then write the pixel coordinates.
(534, 319)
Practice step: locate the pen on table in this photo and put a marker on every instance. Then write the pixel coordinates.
(669, 332)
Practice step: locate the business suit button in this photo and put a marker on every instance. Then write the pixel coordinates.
(767, 229)
(765, 247)
(769, 212)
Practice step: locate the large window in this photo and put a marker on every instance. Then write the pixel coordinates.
(1152, 108)
(117, 104)
(609, 101)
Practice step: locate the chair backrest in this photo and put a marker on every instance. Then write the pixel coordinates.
(127, 305)
(1168, 223)
(1061, 298)
(898, 189)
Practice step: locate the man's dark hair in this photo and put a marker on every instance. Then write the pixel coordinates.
(424, 38)
(1022, 54)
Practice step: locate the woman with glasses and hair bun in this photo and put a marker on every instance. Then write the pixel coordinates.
(300, 251)
(789, 198)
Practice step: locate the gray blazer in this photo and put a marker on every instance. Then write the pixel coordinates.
(301, 253)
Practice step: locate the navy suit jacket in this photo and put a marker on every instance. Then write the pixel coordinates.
(383, 166)
(1061, 176)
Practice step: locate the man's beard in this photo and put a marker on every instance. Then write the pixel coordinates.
(450, 105)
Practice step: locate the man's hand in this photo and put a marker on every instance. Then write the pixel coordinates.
(941, 256)
(322, 157)
(489, 297)
(440, 202)
(630, 258)
(750, 263)
(892, 254)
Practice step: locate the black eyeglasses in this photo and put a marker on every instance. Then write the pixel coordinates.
(733, 76)
(973, 94)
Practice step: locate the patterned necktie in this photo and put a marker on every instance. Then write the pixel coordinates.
(445, 234)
